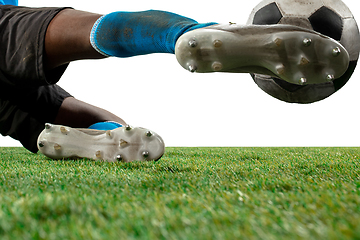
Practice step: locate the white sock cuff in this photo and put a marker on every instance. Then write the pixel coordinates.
(93, 37)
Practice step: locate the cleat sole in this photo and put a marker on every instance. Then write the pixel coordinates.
(122, 144)
(287, 52)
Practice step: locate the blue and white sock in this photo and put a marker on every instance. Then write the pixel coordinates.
(127, 34)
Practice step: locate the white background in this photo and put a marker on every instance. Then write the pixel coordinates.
(217, 109)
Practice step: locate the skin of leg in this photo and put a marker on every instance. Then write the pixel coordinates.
(68, 39)
(78, 114)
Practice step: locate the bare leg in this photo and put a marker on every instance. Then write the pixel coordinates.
(78, 114)
(67, 39)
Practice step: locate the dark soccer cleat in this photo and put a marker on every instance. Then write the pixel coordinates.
(294, 54)
(124, 144)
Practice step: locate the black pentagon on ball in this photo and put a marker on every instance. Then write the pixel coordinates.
(327, 22)
(270, 14)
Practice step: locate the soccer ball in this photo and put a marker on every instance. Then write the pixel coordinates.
(329, 17)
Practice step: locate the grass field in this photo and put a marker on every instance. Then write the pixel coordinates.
(192, 193)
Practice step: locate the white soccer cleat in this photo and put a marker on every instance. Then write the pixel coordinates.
(294, 54)
(123, 144)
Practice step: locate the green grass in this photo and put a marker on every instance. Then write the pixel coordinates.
(192, 193)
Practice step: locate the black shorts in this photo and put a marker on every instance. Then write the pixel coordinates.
(29, 96)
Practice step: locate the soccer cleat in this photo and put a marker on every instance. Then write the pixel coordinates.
(124, 144)
(294, 54)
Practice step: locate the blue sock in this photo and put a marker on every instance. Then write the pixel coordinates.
(105, 126)
(126, 34)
